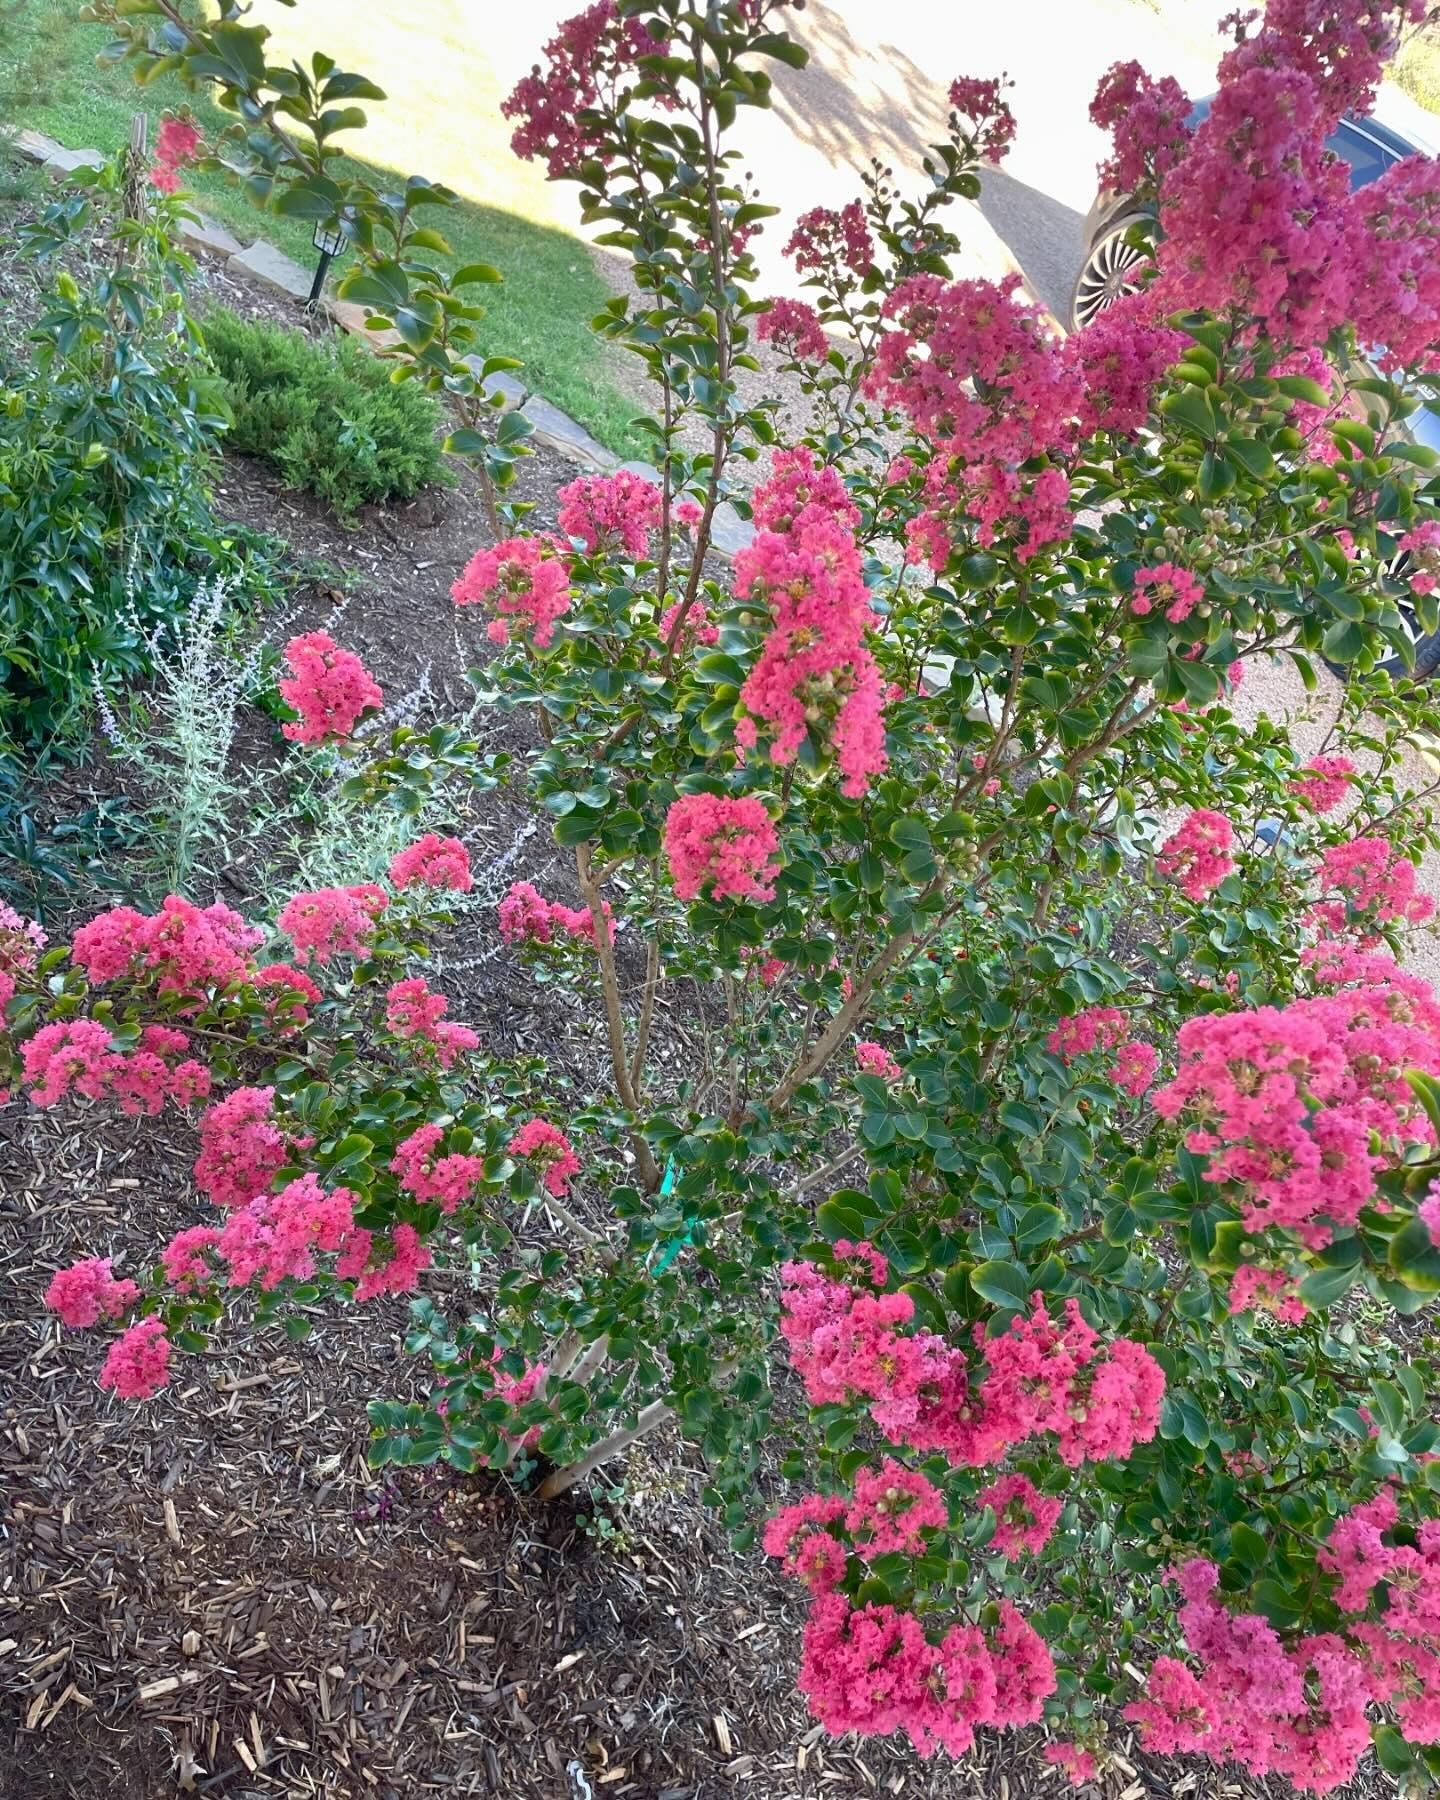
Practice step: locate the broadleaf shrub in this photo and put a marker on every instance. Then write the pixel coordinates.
(327, 416)
(1040, 1079)
(106, 436)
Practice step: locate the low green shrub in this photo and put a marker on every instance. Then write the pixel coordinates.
(328, 417)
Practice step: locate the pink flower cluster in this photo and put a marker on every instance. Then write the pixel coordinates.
(551, 1152)
(527, 917)
(1149, 125)
(76, 1056)
(1340, 46)
(1035, 1377)
(989, 124)
(1324, 783)
(891, 1509)
(21, 941)
(1024, 1517)
(292, 993)
(976, 371)
(333, 921)
(875, 1059)
(137, 1365)
(1120, 357)
(1267, 1290)
(796, 484)
(828, 242)
(433, 862)
(274, 1237)
(695, 627)
(1300, 1711)
(242, 1149)
(448, 1180)
(1092, 1028)
(872, 1669)
(611, 512)
(1079, 1764)
(1106, 1028)
(590, 54)
(528, 581)
(1198, 854)
(185, 949)
(794, 328)
(177, 142)
(815, 673)
(1299, 1107)
(329, 687)
(1422, 545)
(726, 845)
(1375, 885)
(87, 1291)
(1175, 590)
(416, 1015)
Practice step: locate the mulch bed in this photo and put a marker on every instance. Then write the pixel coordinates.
(214, 1594)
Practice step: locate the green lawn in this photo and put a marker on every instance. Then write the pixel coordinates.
(441, 120)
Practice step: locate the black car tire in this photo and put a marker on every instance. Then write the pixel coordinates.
(1100, 282)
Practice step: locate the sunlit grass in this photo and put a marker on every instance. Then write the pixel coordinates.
(441, 120)
(1417, 68)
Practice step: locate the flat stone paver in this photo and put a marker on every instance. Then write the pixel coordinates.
(209, 234)
(275, 268)
(562, 433)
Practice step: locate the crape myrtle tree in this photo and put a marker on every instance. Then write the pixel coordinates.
(1038, 1083)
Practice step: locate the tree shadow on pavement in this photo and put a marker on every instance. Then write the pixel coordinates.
(855, 101)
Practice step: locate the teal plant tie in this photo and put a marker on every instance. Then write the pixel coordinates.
(675, 1245)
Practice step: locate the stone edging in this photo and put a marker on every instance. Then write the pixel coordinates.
(263, 262)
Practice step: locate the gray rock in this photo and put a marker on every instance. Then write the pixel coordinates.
(560, 432)
(275, 268)
(66, 162)
(36, 146)
(730, 533)
(646, 472)
(207, 234)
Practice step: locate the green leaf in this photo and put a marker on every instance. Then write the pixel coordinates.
(836, 1221)
(478, 272)
(1002, 1284)
(1324, 1287)
(782, 49)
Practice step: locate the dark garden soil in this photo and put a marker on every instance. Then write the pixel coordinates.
(213, 1594)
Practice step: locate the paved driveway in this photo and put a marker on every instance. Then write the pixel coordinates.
(876, 86)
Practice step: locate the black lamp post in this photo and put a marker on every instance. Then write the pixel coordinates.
(330, 244)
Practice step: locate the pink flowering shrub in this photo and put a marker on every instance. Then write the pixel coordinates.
(1095, 1407)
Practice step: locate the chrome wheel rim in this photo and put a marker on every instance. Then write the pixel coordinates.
(1108, 275)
